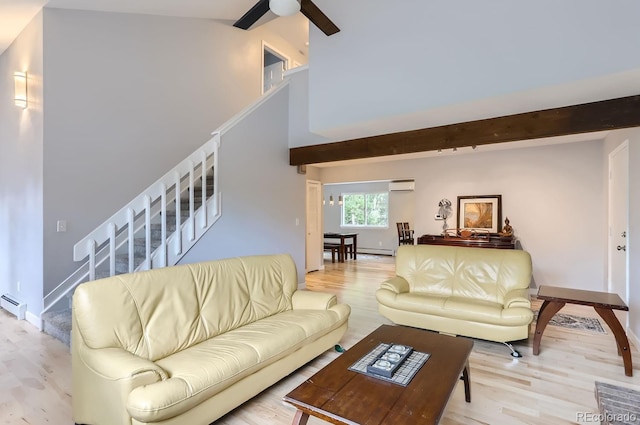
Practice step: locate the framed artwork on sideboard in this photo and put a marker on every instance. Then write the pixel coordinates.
(480, 213)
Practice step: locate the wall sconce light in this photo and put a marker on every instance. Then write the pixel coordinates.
(20, 89)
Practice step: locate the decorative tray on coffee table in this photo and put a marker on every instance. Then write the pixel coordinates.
(402, 374)
(389, 360)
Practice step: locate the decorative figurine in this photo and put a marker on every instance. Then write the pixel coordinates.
(444, 211)
(507, 230)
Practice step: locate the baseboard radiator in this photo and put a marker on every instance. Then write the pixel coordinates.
(375, 251)
(13, 306)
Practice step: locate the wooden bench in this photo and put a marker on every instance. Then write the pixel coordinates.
(334, 247)
(348, 249)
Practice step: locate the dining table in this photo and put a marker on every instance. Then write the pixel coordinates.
(353, 237)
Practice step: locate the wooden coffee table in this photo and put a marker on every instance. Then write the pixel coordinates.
(603, 302)
(341, 396)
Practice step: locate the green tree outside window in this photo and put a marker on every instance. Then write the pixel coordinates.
(365, 209)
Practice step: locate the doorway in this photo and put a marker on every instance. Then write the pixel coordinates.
(274, 63)
(619, 221)
(314, 239)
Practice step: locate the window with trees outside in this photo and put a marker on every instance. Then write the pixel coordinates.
(365, 209)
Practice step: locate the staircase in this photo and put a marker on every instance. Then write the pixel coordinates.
(57, 322)
(156, 229)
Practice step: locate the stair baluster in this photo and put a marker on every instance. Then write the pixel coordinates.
(131, 217)
(178, 213)
(163, 223)
(112, 249)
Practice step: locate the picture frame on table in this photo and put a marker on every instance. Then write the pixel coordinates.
(480, 213)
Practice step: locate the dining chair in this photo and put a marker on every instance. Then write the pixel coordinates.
(408, 234)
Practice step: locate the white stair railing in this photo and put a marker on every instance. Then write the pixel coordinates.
(117, 236)
(182, 192)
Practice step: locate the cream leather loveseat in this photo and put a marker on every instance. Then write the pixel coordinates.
(186, 344)
(476, 292)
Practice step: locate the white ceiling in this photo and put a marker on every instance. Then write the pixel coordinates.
(16, 14)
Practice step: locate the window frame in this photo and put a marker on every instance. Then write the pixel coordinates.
(365, 194)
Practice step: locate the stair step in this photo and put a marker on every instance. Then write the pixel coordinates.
(170, 226)
(184, 206)
(140, 245)
(58, 325)
(122, 262)
(102, 274)
(197, 190)
(156, 230)
(197, 197)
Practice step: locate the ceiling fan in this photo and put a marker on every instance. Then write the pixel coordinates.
(287, 8)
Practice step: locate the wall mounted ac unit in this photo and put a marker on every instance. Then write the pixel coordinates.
(13, 306)
(401, 185)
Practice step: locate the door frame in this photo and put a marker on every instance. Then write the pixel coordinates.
(320, 217)
(274, 51)
(610, 243)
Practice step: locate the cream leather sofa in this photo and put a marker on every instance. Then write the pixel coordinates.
(186, 344)
(476, 292)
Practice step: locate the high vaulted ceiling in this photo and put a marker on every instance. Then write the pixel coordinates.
(16, 14)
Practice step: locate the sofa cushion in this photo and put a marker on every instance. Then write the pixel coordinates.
(461, 308)
(192, 303)
(486, 312)
(203, 370)
(481, 274)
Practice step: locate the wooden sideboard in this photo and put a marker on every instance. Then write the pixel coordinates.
(499, 242)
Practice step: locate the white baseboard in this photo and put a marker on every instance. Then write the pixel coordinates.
(633, 338)
(33, 319)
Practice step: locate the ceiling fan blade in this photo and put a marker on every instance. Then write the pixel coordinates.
(256, 12)
(319, 19)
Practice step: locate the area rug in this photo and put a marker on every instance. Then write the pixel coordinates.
(570, 321)
(617, 405)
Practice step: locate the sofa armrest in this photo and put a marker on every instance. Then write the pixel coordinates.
(397, 284)
(117, 364)
(109, 375)
(517, 298)
(311, 300)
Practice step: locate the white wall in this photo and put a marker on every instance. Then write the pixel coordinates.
(383, 241)
(21, 185)
(127, 97)
(299, 134)
(553, 195)
(401, 59)
(256, 218)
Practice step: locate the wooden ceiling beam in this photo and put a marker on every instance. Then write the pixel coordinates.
(604, 115)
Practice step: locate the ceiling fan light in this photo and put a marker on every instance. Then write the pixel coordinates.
(284, 7)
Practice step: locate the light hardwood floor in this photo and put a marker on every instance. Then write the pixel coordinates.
(554, 388)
